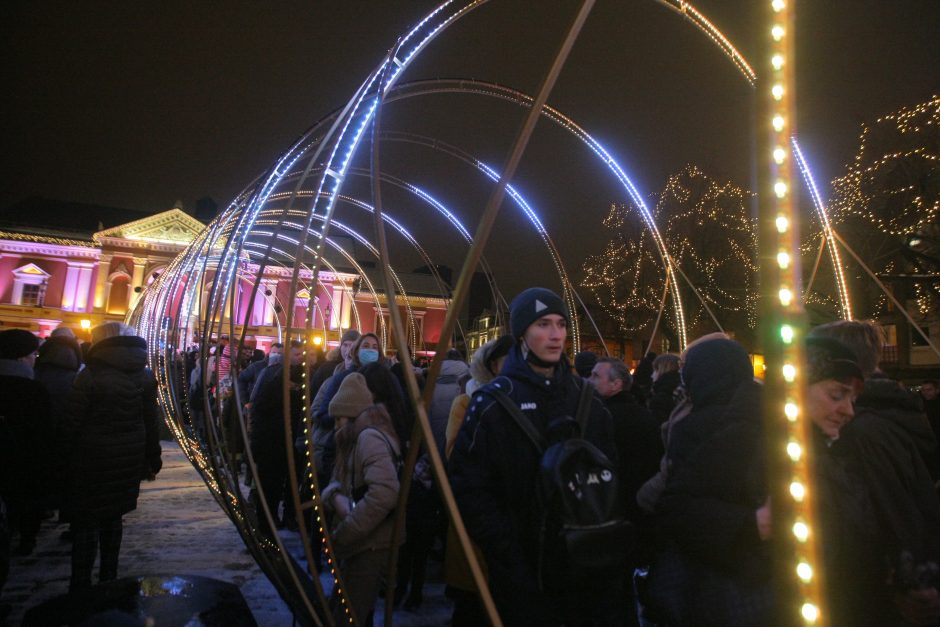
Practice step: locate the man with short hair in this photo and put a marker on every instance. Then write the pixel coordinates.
(636, 432)
(494, 469)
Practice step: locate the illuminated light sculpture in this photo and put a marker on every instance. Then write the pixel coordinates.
(281, 222)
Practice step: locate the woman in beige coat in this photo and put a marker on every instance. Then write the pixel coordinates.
(362, 495)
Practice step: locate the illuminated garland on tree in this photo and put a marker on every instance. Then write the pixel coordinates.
(710, 236)
(891, 194)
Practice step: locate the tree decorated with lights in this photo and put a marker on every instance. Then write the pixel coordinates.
(712, 241)
(887, 207)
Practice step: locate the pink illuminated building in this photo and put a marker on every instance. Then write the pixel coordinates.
(80, 265)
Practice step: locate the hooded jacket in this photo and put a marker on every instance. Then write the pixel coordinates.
(372, 469)
(886, 444)
(493, 471)
(446, 390)
(111, 430)
(712, 374)
(56, 367)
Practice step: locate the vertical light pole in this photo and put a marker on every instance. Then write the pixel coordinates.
(783, 319)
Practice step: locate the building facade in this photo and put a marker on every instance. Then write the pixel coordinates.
(50, 279)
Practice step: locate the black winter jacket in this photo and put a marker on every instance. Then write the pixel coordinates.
(111, 430)
(886, 444)
(493, 471)
(639, 445)
(267, 413)
(25, 432)
(662, 399)
(712, 374)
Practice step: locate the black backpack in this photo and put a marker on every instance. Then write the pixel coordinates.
(578, 492)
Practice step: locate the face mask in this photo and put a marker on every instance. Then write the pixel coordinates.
(368, 355)
(275, 358)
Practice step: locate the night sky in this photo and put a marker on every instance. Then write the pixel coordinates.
(139, 105)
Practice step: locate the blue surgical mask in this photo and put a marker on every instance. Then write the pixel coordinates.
(368, 355)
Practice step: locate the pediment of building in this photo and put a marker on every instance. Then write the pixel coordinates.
(169, 227)
(31, 269)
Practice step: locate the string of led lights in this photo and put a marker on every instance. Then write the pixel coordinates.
(794, 504)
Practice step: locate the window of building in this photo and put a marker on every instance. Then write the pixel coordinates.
(32, 296)
(29, 285)
(917, 339)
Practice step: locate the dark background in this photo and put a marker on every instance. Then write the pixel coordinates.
(141, 104)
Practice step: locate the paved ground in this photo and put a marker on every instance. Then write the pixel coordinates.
(179, 529)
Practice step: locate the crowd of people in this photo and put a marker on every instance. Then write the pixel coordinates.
(78, 434)
(593, 494)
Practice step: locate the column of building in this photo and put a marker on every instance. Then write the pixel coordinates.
(77, 284)
(137, 281)
(103, 283)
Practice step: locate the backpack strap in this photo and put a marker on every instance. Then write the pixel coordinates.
(584, 405)
(520, 419)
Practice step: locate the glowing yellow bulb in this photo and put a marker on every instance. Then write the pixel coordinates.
(794, 451)
(804, 571)
(779, 155)
(789, 372)
(810, 612)
(778, 123)
(778, 5)
(786, 297)
(783, 260)
(797, 491)
(783, 223)
(777, 91)
(780, 189)
(777, 32)
(801, 531)
(777, 61)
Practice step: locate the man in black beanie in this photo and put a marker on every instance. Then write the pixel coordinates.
(494, 471)
(25, 441)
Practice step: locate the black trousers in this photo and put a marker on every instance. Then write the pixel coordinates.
(85, 541)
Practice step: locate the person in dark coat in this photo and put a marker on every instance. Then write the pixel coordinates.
(931, 400)
(494, 467)
(266, 433)
(712, 373)
(713, 566)
(666, 379)
(25, 437)
(850, 542)
(249, 375)
(643, 377)
(887, 445)
(57, 365)
(446, 390)
(636, 432)
(112, 442)
(366, 349)
(639, 446)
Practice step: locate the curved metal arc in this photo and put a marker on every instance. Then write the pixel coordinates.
(521, 99)
(827, 229)
(711, 31)
(518, 199)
